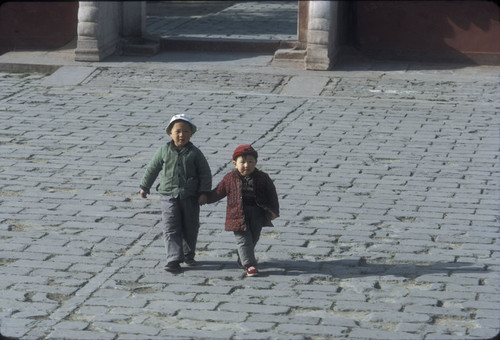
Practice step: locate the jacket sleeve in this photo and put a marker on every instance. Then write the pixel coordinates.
(204, 174)
(274, 205)
(219, 192)
(152, 171)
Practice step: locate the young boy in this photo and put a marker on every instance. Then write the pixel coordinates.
(252, 203)
(185, 178)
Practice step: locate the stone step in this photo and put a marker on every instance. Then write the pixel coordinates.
(290, 58)
(290, 54)
(143, 47)
(223, 45)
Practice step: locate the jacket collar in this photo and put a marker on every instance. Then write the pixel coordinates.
(254, 174)
(187, 147)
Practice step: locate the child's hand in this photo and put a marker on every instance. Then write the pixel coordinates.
(143, 193)
(202, 200)
(273, 215)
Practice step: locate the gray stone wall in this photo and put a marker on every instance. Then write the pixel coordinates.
(322, 40)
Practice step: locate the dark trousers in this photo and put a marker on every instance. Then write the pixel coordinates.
(181, 223)
(247, 240)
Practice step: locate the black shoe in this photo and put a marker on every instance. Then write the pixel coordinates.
(173, 267)
(191, 263)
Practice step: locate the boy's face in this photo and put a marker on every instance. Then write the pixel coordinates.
(181, 134)
(245, 164)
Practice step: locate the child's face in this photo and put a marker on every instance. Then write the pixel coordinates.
(181, 134)
(245, 164)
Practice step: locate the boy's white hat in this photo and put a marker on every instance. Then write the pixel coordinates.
(183, 117)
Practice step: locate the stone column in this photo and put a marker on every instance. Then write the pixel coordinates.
(136, 41)
(99, 29)
(322, 40)
(86, 47)
(134, 19)
(302, 24)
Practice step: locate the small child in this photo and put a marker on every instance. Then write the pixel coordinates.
(185, 178)
(252, 202)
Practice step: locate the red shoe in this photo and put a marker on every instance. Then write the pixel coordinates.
(252, 271)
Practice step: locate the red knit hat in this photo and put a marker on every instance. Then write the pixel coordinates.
(245, 149)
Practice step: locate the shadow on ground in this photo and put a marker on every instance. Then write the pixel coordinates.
(344, 269)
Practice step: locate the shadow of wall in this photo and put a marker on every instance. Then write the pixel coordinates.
(461, 31)
(37, 25)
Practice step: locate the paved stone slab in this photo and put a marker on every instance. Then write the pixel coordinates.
(388, 181)
(68, 75)
(303, 86)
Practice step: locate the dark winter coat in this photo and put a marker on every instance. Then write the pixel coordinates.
(231, 186)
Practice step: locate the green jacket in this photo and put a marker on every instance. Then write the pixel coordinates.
(183, 173)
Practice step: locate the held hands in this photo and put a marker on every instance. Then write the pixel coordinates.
(202, 200)
(271, 215)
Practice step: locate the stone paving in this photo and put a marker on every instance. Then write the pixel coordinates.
(246, 20)
(388, 177)
(388, 183)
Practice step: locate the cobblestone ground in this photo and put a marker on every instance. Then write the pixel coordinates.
(247, 20)
(388, 183)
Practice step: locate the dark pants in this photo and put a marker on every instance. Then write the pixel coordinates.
(181, 223)
(247, 240)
